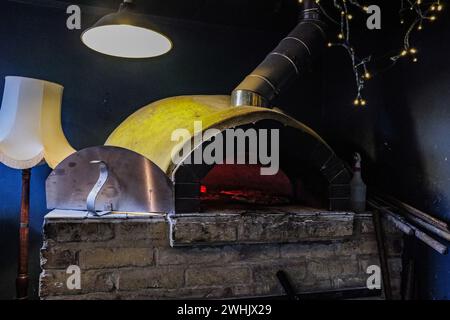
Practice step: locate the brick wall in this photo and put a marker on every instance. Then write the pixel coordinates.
(132, 258)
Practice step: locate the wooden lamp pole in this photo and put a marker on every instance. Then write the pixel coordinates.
(22, 276)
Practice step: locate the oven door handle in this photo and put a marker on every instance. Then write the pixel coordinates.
(93, 194)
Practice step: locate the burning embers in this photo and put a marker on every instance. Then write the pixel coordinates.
(229, 184)
(231, 146)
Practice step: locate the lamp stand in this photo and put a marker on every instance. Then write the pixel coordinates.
(22, 276)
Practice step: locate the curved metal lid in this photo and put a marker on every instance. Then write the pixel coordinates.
(133, 184)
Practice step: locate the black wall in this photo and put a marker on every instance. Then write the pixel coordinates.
(402, 132)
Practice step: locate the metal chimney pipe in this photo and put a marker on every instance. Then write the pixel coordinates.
(286, 62)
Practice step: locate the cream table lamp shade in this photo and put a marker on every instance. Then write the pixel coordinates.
(30, 124)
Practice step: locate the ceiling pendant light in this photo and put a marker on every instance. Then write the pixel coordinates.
(126, 35)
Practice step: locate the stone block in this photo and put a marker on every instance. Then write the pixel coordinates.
(367, 225)
(217, 292)
(313, 250)
(98, 258)
(352, 281)
(257, 252)
(261, 228)
(357, 246)
(320, 227)
(257, 290)
(84, 230)
(332, 269)
(148, 229)
(54, 282)
(224, 276)
(312, 284)
(86, 296)
(152, 277)
(197, 255)
(58, 257)
(204, 230)
(265, 228)
(269, 228)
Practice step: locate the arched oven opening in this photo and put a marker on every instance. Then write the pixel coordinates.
(307, 173)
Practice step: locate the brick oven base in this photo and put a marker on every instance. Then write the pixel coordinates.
(211, 256)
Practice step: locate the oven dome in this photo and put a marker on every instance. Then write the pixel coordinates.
(148, 131)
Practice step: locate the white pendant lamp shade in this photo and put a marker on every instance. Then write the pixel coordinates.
(126, 35)
(126, 41)
(30, 124)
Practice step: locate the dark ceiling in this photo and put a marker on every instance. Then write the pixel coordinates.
(267, 15)
(257, 14)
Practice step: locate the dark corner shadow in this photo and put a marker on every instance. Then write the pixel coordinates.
(9, 256)
(400, 170)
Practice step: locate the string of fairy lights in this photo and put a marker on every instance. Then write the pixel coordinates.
(414, 13)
